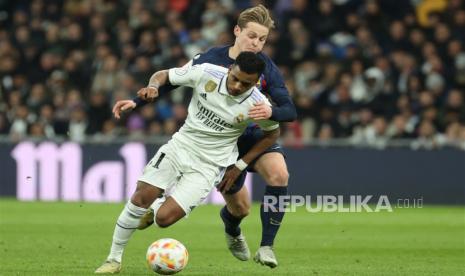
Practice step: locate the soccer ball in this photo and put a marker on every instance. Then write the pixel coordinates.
(167, 256)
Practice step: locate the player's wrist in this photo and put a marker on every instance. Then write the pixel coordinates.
(241, 165)
(153, 85)
(138, 101)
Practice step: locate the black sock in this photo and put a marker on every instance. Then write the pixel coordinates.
(231, 223)
(271, 220)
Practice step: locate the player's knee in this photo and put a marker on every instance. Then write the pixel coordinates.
(138, 200)
(278, 178)
(144, 195)
(163, 220)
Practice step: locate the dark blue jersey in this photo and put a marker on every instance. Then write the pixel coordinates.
(271, 82)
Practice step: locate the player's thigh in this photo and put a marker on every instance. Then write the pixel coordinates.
(170, 212)
(195, 185)
(272, 167)
(162, 170)
(238, 203)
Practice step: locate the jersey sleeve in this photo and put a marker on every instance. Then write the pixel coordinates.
(284, 110)
(186, 75)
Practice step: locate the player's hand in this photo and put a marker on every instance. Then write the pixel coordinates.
(261, 111)
(232, 173)
(122, 105)
(148, 93)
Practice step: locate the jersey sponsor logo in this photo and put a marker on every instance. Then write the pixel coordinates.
(210, 86)
(211, 119)
(203, 95)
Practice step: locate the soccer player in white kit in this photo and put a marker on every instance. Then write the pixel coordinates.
(201, 154)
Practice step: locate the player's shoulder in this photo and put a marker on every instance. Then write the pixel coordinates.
(218, 50)
(212, 55)
(271, 68)
(256, 97)
(212, 71)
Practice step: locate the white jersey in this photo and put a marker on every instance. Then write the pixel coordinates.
(215, 119)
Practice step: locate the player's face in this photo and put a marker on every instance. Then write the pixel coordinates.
(238, 81)
(252, 37)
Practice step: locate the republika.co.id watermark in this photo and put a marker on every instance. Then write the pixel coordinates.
(339, 203)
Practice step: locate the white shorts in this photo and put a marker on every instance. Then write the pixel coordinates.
(182, 175)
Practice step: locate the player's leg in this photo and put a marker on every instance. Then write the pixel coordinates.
(237, 207)
(192, 188)
(238, 202)
(168, 213)
(272, 167)
(127, 223)
(158, 173)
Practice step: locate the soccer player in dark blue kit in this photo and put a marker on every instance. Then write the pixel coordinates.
(251, 32)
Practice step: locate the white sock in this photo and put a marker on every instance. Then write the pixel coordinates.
(126, 224)
(155, 207)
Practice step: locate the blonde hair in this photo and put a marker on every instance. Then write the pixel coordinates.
(258, 14)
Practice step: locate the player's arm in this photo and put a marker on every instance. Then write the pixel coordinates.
(198, 59)
(232, 173)
(284, 110)
(140, 101)
(148, 93)
(183, 76)
(151, 92)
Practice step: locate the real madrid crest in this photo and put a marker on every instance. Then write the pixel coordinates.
(210, 86)
(239, 118)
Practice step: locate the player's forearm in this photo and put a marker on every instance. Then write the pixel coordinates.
(269, 139)
(160, 81)
(284, 111)
(163, 89)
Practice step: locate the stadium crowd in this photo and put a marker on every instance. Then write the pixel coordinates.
(368, 71)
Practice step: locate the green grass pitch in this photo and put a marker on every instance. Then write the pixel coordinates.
(74, 239)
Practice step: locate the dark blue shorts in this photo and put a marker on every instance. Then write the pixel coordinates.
(247, 140)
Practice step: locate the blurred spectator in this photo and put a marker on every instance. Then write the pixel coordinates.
(398, 128)
(374, 135)
(427, 136)
(4, 127)
(77, 125)
(19, 126)
(98, 112)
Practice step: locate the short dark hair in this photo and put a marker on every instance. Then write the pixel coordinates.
(250, 63)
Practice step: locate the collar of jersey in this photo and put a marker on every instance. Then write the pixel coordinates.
(224, 91)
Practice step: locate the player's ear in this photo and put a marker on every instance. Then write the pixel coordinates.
(237, 30)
